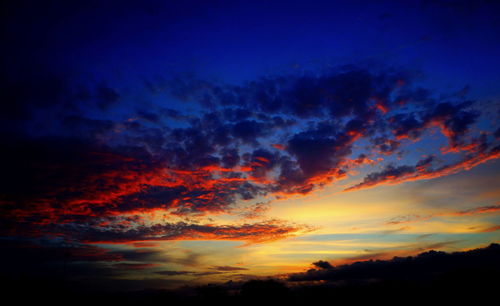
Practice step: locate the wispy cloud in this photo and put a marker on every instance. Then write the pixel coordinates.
(467, 212)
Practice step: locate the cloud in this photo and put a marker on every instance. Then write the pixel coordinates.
(74, 169)
(478, 210)
(191, 273)
(135, 266)
(228, 268)
(467, 212)
(256, 211)
(407, 219)
(33, 251)
(490, 229)
(422, 266)
(422, 170)
(322, 264)
(173, 273)
(266, 231)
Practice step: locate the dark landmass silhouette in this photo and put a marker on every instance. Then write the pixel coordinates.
(431, 277)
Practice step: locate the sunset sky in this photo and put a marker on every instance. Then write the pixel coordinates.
(156, 144)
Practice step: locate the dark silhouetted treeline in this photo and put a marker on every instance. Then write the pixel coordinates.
(428, 278)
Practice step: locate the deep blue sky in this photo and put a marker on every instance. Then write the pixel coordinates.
(239, 40)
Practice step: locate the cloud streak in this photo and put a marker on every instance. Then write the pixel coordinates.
(468, 212)
(249, 233)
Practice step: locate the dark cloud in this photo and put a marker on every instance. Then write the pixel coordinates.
(407, 219)
(322, 264)
(143, 255)
(426, 265)
(454, 119)
(228, 268)
(425, 170)
(386, 146)
(389, 174)
(249, 232)
(173, 273)
(497, 133)
(190, 273)
(42, 251)
(406, 125)
(53, 260)
(248, 130)
(134, 266)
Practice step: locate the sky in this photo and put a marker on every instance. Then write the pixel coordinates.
(158, 144)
